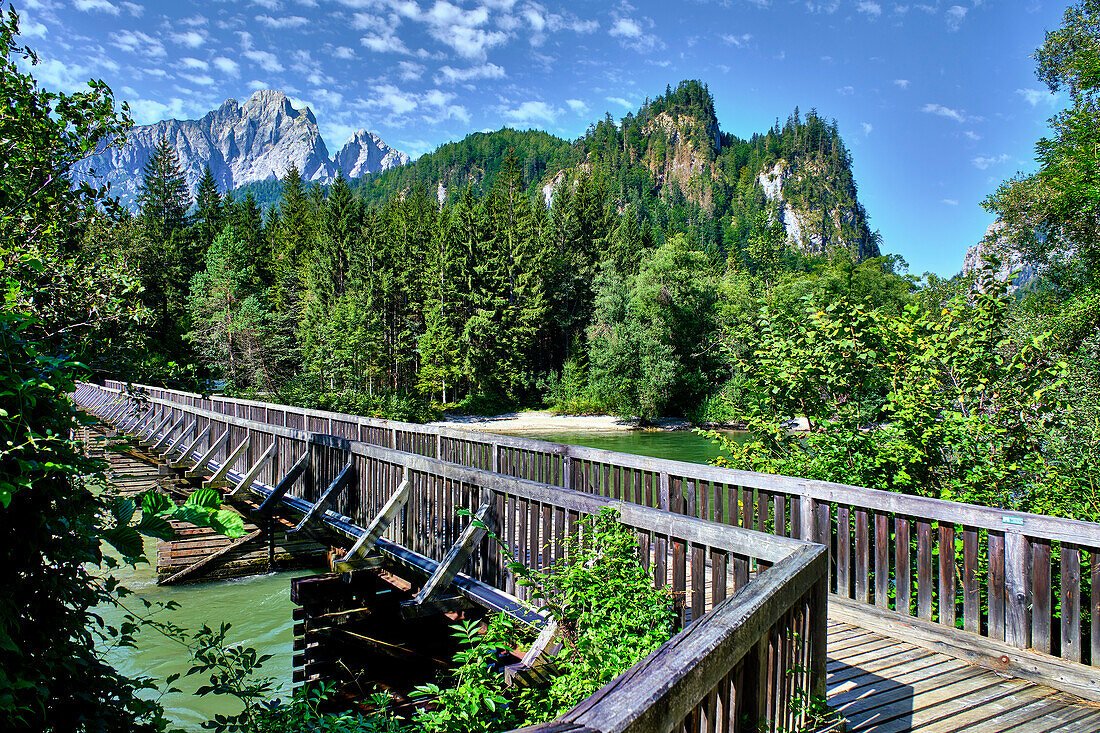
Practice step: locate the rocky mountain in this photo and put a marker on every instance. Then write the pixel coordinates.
(365, 153)
(1012, 263)
(258, 140)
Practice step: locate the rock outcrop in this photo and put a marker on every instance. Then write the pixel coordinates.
(242, 143)
(366, 153)
(1013, 267)
(815, 231)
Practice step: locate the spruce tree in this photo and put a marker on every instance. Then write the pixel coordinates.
(209, 216)
(163, 198)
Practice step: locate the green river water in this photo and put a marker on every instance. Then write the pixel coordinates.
(259, 607)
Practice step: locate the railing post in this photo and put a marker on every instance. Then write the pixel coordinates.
(664, 499)
(819, 632)
(494, 457)
(1017, 624)
(567, 471)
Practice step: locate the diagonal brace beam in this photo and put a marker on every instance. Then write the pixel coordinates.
(342, 480)
(199, 467)
(186, 454)
(287, 481)
(377, 528)
(459, 553)
(168, 433)
(229, 462)
(248, 478)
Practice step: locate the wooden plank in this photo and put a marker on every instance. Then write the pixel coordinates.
(972, 620)
(296, 471)
(924, 570)
(1070, 587)
(209, 558)
(902, 567)
(458, 554)
(882, 560)
(378, 526)
(947, 574)
(1017, 600)
(1040, 597)
(343, 479)
(996, 587)
(995, 655)
(229, 462)
(1094, 606)
(843, 552)
(271, 453)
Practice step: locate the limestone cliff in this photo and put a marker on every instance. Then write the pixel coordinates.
(241, 143)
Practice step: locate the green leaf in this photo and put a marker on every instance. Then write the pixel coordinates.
(206, 498)
(153, 502)
(127, 541)
(123, 510)
(228, 523)
(152, 525)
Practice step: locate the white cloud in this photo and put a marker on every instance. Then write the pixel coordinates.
(204, 80)
(866, 127)
(286, 21)
(620, 101)
(385, 42)
(972, 135)
(981, 163)
(828, 6)
(901, 83)
(101, 6)
(631, 35)
(31, 29)
(450, 75)
(530, 112)
(227, 66)
(148, 111)
(264, 59)
(134, 9)
(740, 41)
(626, 28)
(949, 202)
(190, 63)
(955, 16)
(939, 109)
(577, 106)
(191, 39)
(868, 7)
(57, 76)
(390, 97)
(1034, 96)
(138, 43)
(846, 90)
(256, 85)
(444, 109)
(410, 70)
(194, 21)
(344, 53)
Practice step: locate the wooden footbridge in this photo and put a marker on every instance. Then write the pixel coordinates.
(907, 613)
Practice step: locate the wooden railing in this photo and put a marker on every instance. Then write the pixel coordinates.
(752, 604)
(1015, 591)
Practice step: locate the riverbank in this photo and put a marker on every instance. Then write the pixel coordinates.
(537, 421)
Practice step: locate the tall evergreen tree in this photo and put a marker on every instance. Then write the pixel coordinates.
(209, 215)
(163, 198)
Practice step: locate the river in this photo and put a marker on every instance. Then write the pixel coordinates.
(259, 607)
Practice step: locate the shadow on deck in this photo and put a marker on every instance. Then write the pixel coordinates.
(884, 685)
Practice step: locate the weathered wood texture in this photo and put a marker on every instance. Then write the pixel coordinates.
(775, 622)
(882, 685)
(888, 550)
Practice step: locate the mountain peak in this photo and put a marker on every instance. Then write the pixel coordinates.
(241, 143)
(366, 152)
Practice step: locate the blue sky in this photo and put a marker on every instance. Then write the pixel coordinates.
(937, 101)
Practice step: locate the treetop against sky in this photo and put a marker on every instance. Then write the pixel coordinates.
(938, 101)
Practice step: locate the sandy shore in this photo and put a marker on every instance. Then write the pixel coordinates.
(534, 421)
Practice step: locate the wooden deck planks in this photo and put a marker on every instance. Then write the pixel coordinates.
(885, 685)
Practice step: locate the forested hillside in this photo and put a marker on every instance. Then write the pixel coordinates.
(508, 268)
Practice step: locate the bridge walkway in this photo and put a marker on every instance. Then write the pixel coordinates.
(884, 685)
